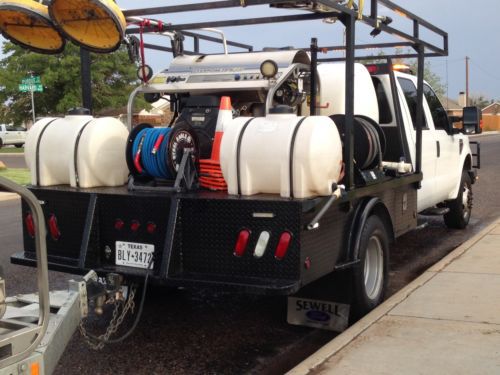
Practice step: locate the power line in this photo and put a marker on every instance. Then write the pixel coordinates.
(484, 70)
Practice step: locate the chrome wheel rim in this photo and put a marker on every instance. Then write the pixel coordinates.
(466, 202)
(374, 268)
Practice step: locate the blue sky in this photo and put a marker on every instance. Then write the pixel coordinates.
(473, 28)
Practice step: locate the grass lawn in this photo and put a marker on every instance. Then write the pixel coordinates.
(19, 175)
(11, 150)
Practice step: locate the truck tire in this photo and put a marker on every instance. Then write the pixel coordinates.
(19, 145)
(1, 143)
(461, 207)
(370, 277)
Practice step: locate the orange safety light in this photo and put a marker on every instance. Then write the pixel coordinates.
(401, 68)
(35, 368)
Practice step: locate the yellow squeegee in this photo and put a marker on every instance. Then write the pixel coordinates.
(27, 23)
(97, 25)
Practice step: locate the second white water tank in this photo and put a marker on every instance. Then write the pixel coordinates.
(282, 154)
(77, 150)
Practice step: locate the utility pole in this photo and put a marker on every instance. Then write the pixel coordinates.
(467, 81)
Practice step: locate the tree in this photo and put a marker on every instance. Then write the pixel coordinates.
(432, 78)
(113, 78)
(479, 101)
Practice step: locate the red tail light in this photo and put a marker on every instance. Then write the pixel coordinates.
(242, 242)
(30, 224)
(283, 245)
(135, 225)
(55, 233)
(151, 227)
(119, 224)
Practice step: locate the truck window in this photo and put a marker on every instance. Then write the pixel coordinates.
(385, 115)
(410, 92)
(438, 113)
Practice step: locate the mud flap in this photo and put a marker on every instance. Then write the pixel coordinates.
(329, 315)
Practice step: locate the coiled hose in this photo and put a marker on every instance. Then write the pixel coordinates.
(150, 152)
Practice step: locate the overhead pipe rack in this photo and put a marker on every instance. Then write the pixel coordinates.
(348, 17)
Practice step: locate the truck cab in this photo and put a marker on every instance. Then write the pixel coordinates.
(446, 152)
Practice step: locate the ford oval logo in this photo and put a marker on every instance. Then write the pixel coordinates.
(318, 316)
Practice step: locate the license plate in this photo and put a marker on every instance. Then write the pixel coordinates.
(133, 254)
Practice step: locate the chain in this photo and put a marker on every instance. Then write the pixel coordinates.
(114, 324)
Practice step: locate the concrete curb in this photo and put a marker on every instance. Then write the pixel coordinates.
(313, 363)
(8, 196)
(493, 132)
(12, 154)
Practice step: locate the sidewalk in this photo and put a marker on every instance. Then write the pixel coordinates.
(447, 321)
(8, 196)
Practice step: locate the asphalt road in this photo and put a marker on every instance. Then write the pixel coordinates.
(185, 332)
(13, 160)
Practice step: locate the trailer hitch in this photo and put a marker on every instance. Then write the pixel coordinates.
(111, 292)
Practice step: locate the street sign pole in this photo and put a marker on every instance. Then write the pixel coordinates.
(31, 84)
(33, 104)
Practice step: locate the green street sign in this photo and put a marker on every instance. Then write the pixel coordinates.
(23, 87)
(31, 80)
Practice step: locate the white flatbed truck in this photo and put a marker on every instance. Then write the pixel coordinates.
(266, 243)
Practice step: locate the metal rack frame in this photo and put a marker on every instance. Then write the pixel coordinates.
(348, 17)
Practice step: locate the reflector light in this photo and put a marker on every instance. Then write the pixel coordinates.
(261, 246)
(30, 224)
(242, 242)
(283, 245)
(135, 225)
(119, 224)
(55, 233)
(35, 368)
(151, 227)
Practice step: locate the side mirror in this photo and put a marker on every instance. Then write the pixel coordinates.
(472, 120)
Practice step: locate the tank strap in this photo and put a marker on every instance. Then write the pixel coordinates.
(75, 155)
(238, 150)
(292, 147)
(37, 151)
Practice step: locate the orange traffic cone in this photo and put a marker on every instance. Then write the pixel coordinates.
(210, 172)
(225, 114)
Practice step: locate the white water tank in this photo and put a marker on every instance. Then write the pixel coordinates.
(332, 91)
(77, 150)
(278, 151)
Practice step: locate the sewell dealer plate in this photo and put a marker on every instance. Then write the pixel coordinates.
(132, 254)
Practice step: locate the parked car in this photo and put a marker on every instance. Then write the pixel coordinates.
(10, 135)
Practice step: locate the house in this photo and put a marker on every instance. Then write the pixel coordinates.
(491, 117)
(492, 109)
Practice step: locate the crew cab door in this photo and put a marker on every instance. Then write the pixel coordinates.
(448, 170)
(408, 100)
